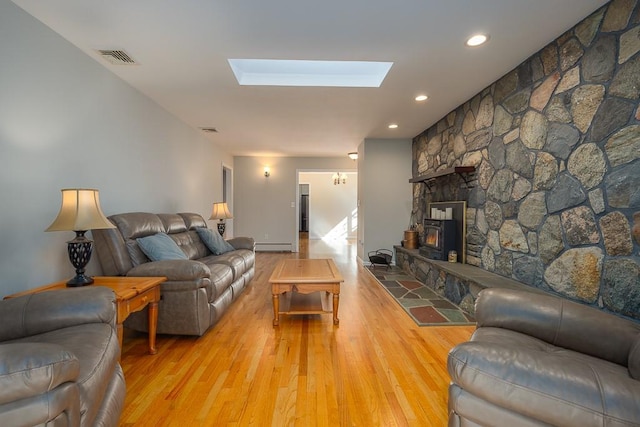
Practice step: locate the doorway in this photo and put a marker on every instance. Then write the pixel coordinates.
(329, 210)
(304, 208)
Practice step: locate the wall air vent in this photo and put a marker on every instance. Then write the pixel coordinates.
(116, 57)
(209, 130)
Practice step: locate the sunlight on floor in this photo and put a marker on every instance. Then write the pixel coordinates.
(348, 226)
(339, 249)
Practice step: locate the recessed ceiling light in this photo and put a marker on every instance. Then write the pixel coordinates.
(393, 126)
(421, 98)
(280, 72)
(477, 40)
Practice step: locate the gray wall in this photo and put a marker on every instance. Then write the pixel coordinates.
(65, 121)
(263, 206)
(384, 192)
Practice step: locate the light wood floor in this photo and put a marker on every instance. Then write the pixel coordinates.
(377, 368)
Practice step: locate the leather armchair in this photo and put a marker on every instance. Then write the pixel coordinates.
(59, 359)
(539, 360)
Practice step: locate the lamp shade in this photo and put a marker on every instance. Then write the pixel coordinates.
(80, 211)
(221, 211)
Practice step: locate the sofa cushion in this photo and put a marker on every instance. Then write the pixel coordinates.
(248, 256)
(173, 223)
(214, 241)
(221, 279)
(230, 259)
(137, 224)
(160, 247)
(135, 253)
(191, 244)
(193, 220)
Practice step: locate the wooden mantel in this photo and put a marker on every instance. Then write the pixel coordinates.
(443, 172)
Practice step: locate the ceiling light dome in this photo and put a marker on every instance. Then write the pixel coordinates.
(477, 40)
(421, 98)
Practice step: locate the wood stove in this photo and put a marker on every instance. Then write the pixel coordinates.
(439, 238)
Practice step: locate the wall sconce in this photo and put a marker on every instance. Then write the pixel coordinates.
(80, 212)
(267, 172)
(353, 155)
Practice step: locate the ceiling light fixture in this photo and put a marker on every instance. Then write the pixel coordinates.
(421, 98)
(353, 155)
(477, 40)
(393, 126)
(339, 178)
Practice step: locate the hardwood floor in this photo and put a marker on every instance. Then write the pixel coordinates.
(377, 368)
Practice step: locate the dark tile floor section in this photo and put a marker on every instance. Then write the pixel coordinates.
(425, 306)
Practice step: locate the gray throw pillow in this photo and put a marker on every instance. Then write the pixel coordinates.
(214, 241)
(160, 247)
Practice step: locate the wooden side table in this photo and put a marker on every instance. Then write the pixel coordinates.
(132, 294)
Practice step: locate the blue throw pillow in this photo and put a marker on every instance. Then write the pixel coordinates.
(160, 247)
(214, 241)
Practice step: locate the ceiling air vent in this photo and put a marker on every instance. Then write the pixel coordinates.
(117, 57)
(209, 130)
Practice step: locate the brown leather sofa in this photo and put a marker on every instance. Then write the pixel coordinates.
(59, 357)
(198, 290)
(539, 360)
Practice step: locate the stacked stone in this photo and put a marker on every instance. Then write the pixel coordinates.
(556, 145)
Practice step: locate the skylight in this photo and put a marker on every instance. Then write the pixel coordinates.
(280, 72)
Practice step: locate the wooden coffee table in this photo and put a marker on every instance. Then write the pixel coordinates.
(297, 277)
(132, 294)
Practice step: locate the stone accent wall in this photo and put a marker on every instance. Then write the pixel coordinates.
(555, 200)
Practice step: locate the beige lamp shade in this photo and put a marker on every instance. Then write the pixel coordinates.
(221, 211)
(80, 211)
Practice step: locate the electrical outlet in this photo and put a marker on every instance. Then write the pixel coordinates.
(266, 236)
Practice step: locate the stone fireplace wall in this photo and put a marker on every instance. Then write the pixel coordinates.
(555, 199)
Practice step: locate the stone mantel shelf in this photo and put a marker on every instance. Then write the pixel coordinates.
(444, 172)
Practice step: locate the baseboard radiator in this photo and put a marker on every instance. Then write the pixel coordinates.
(274, 247)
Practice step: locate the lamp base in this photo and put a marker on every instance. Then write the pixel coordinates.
(221, 227)
(79, 250)
(79, 280)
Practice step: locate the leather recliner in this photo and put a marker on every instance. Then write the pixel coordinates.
(540, 360)
(59, 357)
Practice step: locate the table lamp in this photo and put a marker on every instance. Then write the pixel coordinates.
(80, 212)
(221, 212)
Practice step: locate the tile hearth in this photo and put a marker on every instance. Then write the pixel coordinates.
(425, 306)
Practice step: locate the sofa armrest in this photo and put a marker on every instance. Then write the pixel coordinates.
(173, 270)
(30, 369)
(243, 243)
(559, 322)
(47, 311)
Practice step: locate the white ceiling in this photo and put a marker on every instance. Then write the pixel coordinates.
(182, 48)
